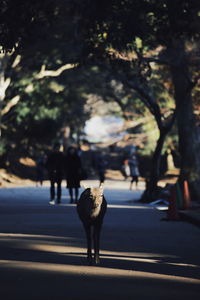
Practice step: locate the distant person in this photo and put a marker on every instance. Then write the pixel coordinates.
(40, 169)
(112, 147)
(54, 166)
(79, 151)
(101, 164)
(73, 171)
(125, 169)
(134, 171)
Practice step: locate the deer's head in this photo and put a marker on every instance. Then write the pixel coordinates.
(95, 196)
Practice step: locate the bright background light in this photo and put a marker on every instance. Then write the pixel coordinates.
(104, 128)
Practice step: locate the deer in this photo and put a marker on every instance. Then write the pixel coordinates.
(91, 208)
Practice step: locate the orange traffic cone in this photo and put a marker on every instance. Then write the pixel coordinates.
(172, 213)
(186, 195)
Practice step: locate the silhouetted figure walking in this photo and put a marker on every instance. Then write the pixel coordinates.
(73, 173)
(40, 169)
(125, 169)
(101, 164)
(134, 171)
(54, 166)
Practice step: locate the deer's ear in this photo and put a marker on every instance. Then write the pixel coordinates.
(101, 188)
(84, 186)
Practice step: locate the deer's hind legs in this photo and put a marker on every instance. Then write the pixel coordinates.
(96, 238)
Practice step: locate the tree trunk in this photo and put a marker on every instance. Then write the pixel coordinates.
(4, 83)
(151, 189)
(190, 155)
(155, 168)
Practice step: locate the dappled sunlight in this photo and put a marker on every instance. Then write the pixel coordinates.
(145, 258)
(31, 236)
(134, 257)
(115, 191)
(121, 205)
(115, 185)
(92, 271)
(47, 243)
(130, 206)
(65, 255)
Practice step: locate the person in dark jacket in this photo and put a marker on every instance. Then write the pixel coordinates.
(101, 164)
(54, 166)
(73, 170)
(40, 169)
(134, 171)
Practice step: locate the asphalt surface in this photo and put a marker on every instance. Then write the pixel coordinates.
(43, 249)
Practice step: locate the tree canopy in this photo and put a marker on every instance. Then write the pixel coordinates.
(150, 47)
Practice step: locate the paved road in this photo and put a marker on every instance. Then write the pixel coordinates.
(42, 250)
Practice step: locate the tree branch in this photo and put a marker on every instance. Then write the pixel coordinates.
(10, 104)
(54, 73)
(134, 123)
(148, 100)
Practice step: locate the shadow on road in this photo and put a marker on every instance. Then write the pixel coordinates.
(42, 250)
(66, 251)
